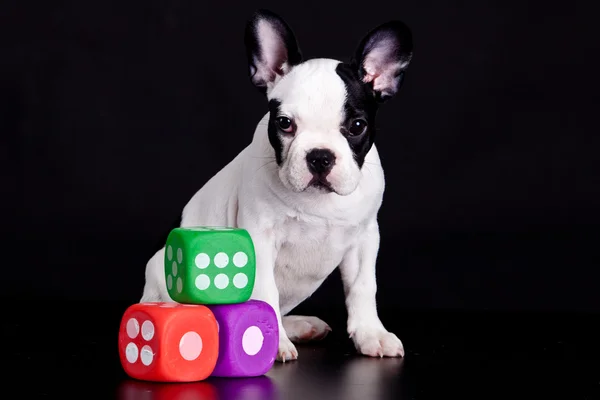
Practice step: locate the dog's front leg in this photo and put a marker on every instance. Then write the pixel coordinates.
(358, 276)
(265, 288)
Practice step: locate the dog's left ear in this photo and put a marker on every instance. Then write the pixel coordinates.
(271, 48)
(382, 58)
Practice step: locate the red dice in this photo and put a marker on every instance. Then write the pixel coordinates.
(168, 342)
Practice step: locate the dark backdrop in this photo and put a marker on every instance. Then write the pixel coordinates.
(113, 113)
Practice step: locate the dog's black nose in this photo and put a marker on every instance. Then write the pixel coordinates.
(320, 161)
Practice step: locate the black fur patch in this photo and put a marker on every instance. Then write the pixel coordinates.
(273, 130)
(360, 103)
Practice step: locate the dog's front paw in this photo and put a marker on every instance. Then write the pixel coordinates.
(377, 343)
(287, 350)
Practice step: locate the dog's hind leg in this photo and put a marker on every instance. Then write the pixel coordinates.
(303, 329)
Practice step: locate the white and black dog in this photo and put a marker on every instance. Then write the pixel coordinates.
(309, 186)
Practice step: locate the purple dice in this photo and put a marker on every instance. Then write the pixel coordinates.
(248, 338)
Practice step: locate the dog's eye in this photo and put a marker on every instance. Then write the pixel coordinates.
(357, 127)
(285, 124)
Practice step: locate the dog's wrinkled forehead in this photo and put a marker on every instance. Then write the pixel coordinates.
(313, 93)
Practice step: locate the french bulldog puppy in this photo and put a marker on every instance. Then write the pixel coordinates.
(309, 185)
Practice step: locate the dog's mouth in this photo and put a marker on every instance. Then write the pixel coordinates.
(320, 184)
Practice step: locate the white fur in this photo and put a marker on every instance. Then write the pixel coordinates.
(300, 236)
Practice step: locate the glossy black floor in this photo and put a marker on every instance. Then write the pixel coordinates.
(68, 350)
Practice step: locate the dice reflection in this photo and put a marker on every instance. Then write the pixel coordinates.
(139, 390)
(258, 388)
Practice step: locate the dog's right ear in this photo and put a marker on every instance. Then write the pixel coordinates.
(271, 48)
(382, 58)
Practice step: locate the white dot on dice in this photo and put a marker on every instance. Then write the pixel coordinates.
(190, 346)
(221, 281)
(169, 282)
(240, 259)
(170, 253)
(202, 282)
(202, 260)
(147, 330)
(240, 280)
(146, 355)
(252, 340)
(221, 260)
(174, 268)
(131, 353)
(179, 255)
(179, 285)
(133, 328)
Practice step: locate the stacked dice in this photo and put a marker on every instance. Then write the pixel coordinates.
(211, 328)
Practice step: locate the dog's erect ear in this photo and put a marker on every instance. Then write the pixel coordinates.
(382, 57)
(271, 48)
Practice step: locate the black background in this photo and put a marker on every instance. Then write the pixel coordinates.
(113, 113)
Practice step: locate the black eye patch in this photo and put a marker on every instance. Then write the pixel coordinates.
(360, 104)
(274, 128)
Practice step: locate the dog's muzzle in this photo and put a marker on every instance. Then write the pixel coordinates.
(320, 162)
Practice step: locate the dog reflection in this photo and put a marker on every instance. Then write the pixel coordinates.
(368, 378)
(259, 388)
(354, 378)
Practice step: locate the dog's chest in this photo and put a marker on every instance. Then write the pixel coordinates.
(310, 250)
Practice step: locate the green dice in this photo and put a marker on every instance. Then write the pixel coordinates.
(209, 265)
